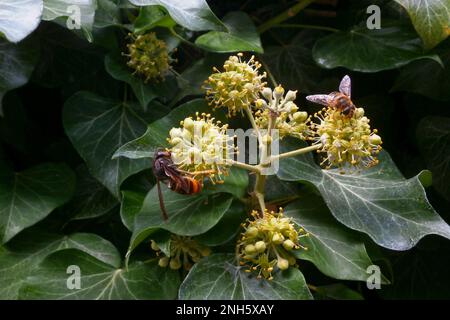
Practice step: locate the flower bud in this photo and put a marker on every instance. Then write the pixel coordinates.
(282, 263)
(288, 244)
(251, 232)
(375, 139)
(188, 124)
(278, 92)
(267, 93)
(163, 262)
(250, 249)
(154, 245)
(277, 238)
(175, 264)
(260, 246)
(290, 95)
(300, 116)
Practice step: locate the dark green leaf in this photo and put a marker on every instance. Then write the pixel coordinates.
(431, 19)
(151, 17)
(335, 250)
(99, 281)
(91, 198)
(23, 254)
(379, 201)
(29, 196)
(131, 205)
(338, 292)
(18, 18)
(241, 36)
(433, 135)
(361, 49)
(97, 127)
(189, 215)
(16, 65)
(218, 278)
(194, 15)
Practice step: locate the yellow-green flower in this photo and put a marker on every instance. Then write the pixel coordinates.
(347, 142)
(202, 147)
(267, 243)
(237, 87)
(184, 252)
(289, 120)
(148, 56)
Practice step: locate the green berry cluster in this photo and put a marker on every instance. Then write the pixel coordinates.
(148, 56)
(267, 243)
(184, 252)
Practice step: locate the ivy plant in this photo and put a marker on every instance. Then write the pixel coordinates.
(168, 149)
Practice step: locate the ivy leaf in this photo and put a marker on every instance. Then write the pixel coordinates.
(364, 50)
(144, 92)
(84, 10)
(433, 135)
(151, 17)
(293, 65)
(379, 201)
(431, 19)
(236, 183)
(29, 196)
(334, 250)
(437, 85)
(189, 215)
(130, 206)
(18, 18)
(337, 292)
(194, 15)
(91, 198)
(16, 64)
(158, 131)
(23, 254)
(98, 126)
(107, 14)
(227, 228)
(99, 280)
(218, 278)
(241, 35)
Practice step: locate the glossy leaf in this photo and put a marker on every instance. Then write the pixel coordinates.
(392, 210)
(361, 49)
(433, 134)
(91, 198)
(218, 278)
(335, 250)
(18, 18)
(189, 215)
(16, 65)
(99, 281)
(98, 126)
(29, 196)
(431, 19)
(130, 206)
(151, 17)
(22, 255)
(194, 15)
(241, 36)
(83, 10)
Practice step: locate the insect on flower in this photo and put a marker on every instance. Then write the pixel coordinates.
(338, 100)
(177, 180)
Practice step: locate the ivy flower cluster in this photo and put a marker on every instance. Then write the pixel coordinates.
(237, 87)
(201, 146)
(148, 56)
(288, 120)
(346, 141)
(267, 243)
(184, 252)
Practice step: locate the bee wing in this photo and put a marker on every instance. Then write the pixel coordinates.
(345, 86)
(323, 99)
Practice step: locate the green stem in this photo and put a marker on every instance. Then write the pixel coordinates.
(183, 40)
(243, 166)
(289, 13)
(297, 152)
(306, 26)
(250, 117)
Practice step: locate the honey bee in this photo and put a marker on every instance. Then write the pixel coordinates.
(177, 180)
(338, 100)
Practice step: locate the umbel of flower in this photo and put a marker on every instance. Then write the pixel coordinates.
(184, 252)
(148, 56)
(267, 243)
(347, 142)
(202, 147)
(288, 119)
(237, 87)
